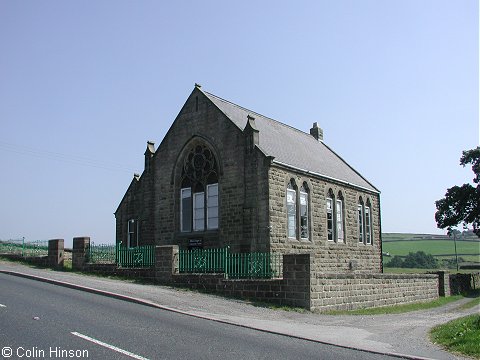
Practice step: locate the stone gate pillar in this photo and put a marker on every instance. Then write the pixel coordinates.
(80, 252)
(56, 253)
(166, 263)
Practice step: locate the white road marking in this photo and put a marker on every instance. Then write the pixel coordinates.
(111, 347)
(1, 305)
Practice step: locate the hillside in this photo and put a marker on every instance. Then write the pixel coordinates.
(440, 246)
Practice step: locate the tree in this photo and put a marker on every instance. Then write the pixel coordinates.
(396, 262)
(461, 204)
(420, 260)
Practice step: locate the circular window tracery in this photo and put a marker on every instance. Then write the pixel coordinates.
(199, 167)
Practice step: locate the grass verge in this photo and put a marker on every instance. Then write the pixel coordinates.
(398, 309)
(460, 335)
(389, 270)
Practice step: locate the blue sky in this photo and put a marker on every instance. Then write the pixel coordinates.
(84, 84)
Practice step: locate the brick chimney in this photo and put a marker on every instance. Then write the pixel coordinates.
(316, 132)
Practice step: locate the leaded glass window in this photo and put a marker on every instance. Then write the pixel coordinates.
(291, 211)
(304, 213)
(368, 224)
(199, 205)
(360, 221)
(330, 219)
(212, 206)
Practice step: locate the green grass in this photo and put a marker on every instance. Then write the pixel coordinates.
(398, 309)
(67, 264)
(413, 236)
(434, 247)
(460, 335)
(389, 270)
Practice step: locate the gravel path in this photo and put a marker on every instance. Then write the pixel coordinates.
(399, 333)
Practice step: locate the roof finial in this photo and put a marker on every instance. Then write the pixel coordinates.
(316, 132)
(198, 85)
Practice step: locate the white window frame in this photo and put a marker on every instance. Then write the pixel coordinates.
(339, 227)
(212, 203)
(368, 225)
(198, 222)
(292, 193)
(361, 224)
(331, 211)
(183, 191)
(304, 194)
(132, 233)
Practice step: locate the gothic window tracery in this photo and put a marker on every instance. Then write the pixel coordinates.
(199, 190)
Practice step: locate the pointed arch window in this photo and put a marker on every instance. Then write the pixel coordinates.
(335, 217)
(361, 221)
(339, 219)
(292, 210)
(365, 235)
(304, 223)
(199, 206)
(298, 224)
(368, 223)
(330, 212)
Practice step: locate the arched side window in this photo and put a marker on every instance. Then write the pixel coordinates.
(298, 224)
(335, 217)
(368, 223)
(361, 224)
(199, 190)
(330, 216)
(304, 210)
(340, 228)
(292, 210)
(364, 211)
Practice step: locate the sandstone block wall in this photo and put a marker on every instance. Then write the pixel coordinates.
(357, 291)
(329, 256)
(301, 286)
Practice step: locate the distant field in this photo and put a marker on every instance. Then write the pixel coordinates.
(390, 270)
(409, 237)
(439, 246)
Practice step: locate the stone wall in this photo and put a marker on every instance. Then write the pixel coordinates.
(301, 286)
(80, 263)
(357, 291)
(292, 290)
(462, 283)
(329, 256)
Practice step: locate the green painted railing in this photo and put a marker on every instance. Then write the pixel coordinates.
(102, 254)
(36, 248)
(137, 257)
(12, 246)
(202, 260)
(254, 266)
(20, 247)
(233, 265)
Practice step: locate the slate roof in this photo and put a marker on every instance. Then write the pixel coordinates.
(292, 147)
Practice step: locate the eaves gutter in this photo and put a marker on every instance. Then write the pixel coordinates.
(308, 172)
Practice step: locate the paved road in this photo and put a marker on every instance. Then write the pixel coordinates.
(42, 319)
(399, 333)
